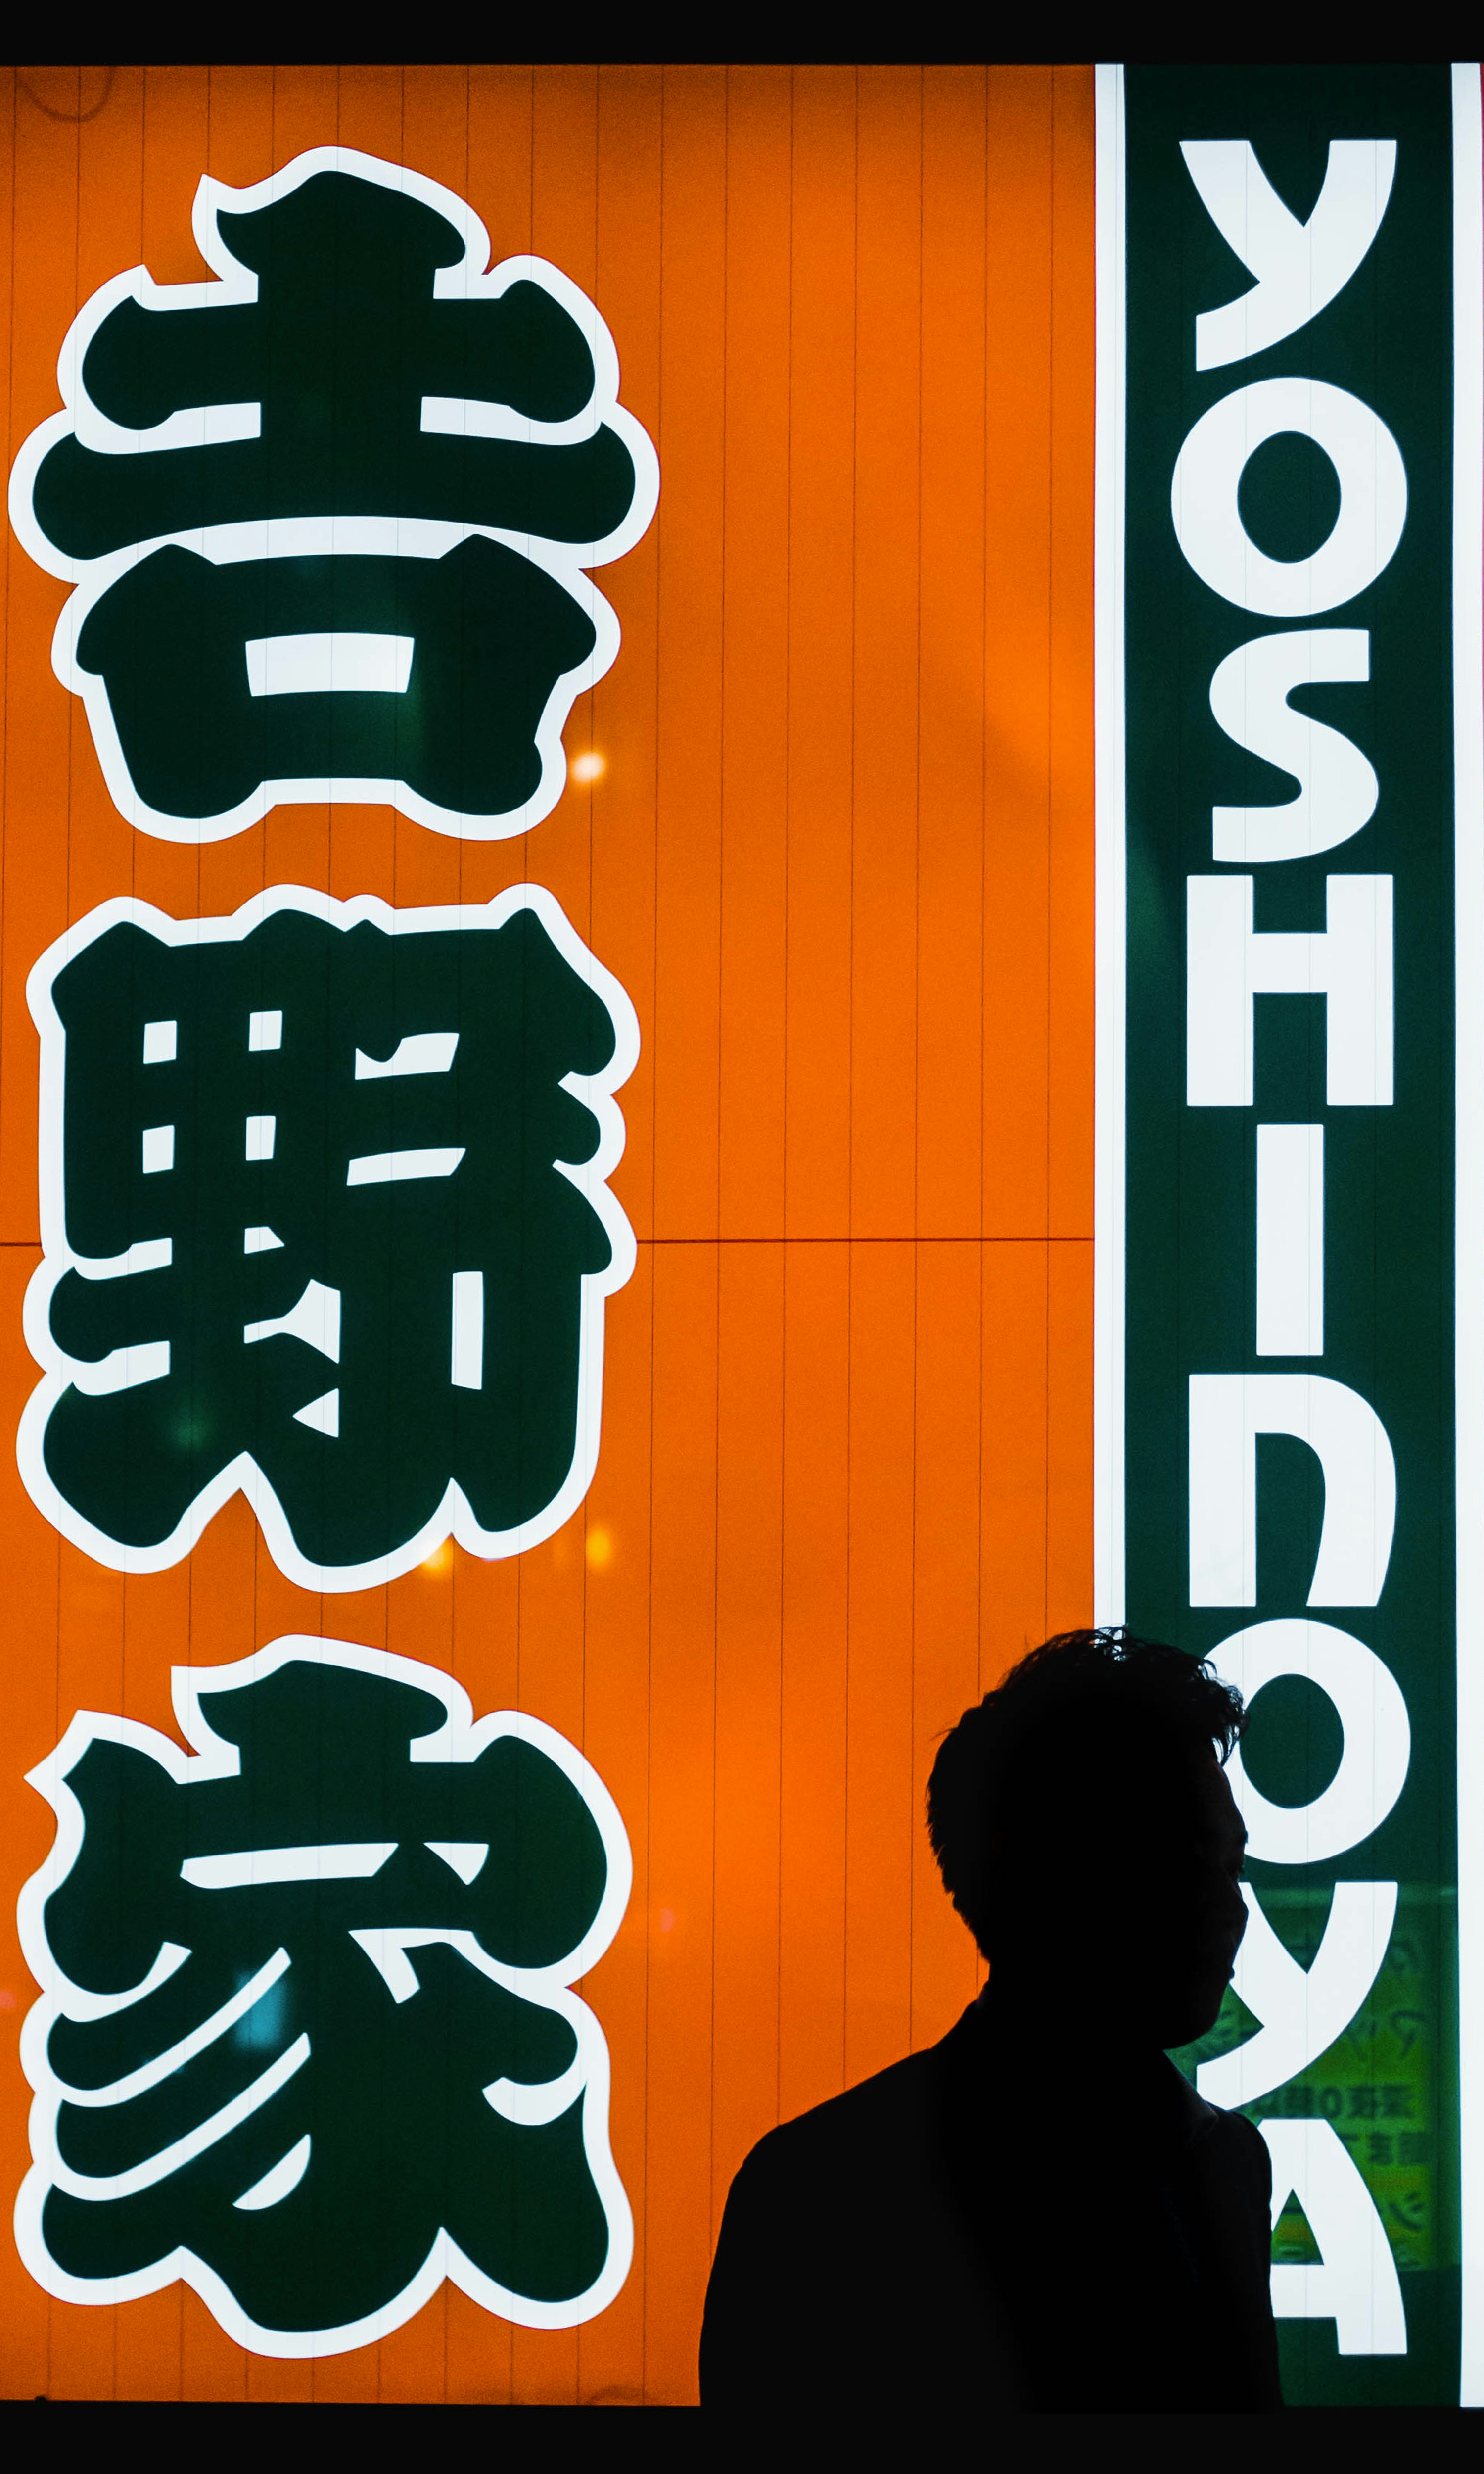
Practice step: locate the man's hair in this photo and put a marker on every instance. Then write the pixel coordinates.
(1043, 1725)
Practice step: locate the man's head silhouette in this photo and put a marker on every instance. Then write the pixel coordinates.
(1038, 2212)
(1087, 1836)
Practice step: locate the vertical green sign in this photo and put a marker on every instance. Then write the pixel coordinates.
(1288, 839)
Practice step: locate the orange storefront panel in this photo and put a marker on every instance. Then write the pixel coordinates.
(828, 821)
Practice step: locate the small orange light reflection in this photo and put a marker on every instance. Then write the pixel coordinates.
(589, 767)
(439, 1560)
(667, 1919)
(600, 1549)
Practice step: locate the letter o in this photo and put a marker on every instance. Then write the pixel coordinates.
(1373, 1715)
(1373, 497)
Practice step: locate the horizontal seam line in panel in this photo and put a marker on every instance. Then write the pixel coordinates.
(1035, 1237)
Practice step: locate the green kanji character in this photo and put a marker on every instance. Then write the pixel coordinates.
(306, 2038)
(331, 515)
(1397, 2104)
(1409, 2210)
(323, 1218)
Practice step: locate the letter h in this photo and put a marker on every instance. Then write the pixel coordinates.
(1227, 964)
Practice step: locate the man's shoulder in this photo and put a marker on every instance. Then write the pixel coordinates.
(890, 2110)
(1241, 2144)
(1228, 2153)
(842, 2270)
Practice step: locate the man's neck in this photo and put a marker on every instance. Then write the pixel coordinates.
(1070, 2050)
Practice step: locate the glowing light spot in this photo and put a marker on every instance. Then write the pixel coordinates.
(440, 1559)
(600, 1549)
(591, 768)
(667, 1919)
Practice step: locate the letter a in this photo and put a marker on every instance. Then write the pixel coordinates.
(1355, 2283)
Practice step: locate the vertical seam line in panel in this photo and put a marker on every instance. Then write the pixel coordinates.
(587, 1567)
(134, 888)
(50, 2305)
(454, 1592)
(984, 811)
(1110, 864)
(916, 1107)
(256, 1556)
(1468, 1184)
(144, 105)
(1050, 806)
(16, 88)
(721, 999)
(262, 869)
(654, 1274)
(850, 1078)
(721, 1002)
(788, 713)
(5, 714)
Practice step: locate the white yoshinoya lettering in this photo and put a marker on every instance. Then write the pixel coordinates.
(1290, 1283)
(1228, 963)
(1300, 267)
(1227, 1413)
(1376, 1738)
(1337, 786)
(1208, 521)
(1355, 2283)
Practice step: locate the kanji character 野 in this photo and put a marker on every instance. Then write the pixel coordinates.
(331, 514)
(306, 2038)
(324, 1218)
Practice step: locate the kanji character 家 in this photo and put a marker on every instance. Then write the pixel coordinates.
(306, 2036)
(330, 516)
(324, 1219)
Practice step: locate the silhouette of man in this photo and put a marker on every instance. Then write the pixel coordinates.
(1039, 2213)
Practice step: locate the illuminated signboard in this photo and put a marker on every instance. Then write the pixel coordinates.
(677, 745)
(324, 1221)
(1290, 1419)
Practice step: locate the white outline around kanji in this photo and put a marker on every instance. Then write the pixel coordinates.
(461, 1738)
(348, 533)
(454, 1518)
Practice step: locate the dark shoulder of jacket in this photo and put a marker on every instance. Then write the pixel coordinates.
(893, 2108)
(1243, 2151)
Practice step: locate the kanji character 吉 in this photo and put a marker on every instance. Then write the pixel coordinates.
(331, 515)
